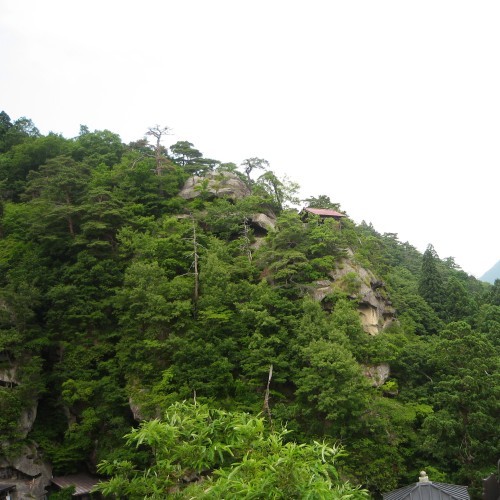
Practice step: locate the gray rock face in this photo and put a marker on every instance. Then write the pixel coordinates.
(8, 376)
(136, 410)
(28, 417)
(376, 312)
(28, 472)
(263, 221)
(377, 374)
(217, 184)
(322, 289)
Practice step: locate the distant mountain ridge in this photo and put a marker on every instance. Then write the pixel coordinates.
(492, 275)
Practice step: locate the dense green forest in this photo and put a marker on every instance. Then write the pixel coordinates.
(122, 298)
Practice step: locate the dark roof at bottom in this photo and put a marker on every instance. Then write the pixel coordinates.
(429, 490)
(82, 482)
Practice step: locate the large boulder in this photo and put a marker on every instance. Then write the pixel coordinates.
(377, 374)
(217, 184)
(263, 222)
(28, 472)
(8, 376)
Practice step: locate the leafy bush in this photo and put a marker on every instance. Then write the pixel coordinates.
(221, 454)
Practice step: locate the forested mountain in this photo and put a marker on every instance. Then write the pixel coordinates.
(492, 274)
(138, 277)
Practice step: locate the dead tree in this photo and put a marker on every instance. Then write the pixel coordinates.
(246, 239)
(195, 264)
(267, 409)
(158, 152)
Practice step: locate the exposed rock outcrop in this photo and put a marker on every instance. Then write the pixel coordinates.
(377, 374)
(265, 222)
(27, 419)
(261, 224)
(136, 409)
(28, 472)
(375, 310)
(322, 289)
(216, 184)
(8, 376)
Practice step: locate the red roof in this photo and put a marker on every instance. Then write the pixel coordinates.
(325, 212)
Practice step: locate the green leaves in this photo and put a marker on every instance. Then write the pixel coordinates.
(119, 298)
(332, 381)
(234, 454)
(431, 285)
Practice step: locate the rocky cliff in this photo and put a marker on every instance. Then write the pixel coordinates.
(375, 309)
(23, 467)
(215, 184)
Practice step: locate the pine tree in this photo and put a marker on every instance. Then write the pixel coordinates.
(431, 286)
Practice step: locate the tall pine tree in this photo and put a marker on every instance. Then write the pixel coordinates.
(431, 286)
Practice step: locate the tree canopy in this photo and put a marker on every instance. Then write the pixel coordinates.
(120, 300)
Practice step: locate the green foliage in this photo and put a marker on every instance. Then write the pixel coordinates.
(251, 164)
(458, 305)
(431, 286)
(118, 299)
(98, 147)
(322, 201)
(190, 159)
(281, 191)
(466, 394)
(300, 253)
(488, 322)
(494, 293)
(27, 156)
(415, 314)
(63, 494)
(222, 455)
(350, 283)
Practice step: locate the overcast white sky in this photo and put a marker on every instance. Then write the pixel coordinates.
(391, 108)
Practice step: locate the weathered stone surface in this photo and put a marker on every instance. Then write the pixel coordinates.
(321, 289)
(369, 318)
(264, 221)
(9, 370)
(377, 374)
(8, 376)
(227, 185)
(376, 312)
(28, 472)
(135, 409)
(27, 419)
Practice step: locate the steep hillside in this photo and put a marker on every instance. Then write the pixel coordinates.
(135, 277)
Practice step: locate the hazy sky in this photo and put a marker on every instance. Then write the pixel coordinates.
(391, 108)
